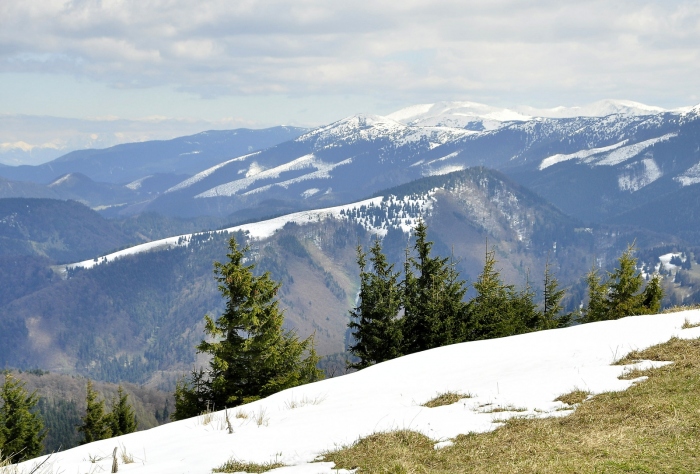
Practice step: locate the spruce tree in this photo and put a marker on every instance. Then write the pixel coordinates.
(491, 312)
(624, 284)
(374, 322)
(552, 295)
(619, 295)
(95, 423)
(252, 356)
(21, 428)
(122, 419)
(596, 310)
(432, 298)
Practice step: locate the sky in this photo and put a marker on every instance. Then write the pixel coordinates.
(170, 67)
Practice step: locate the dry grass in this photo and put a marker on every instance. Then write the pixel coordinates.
(446, 398)
(242, 415)
(676, 309)
(688, 325)
(293, 403)
(653, 427)
(233, 465)
(574, 397)
(126, 457)
(261, 417)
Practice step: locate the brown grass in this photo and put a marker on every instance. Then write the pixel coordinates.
(574, 397)
(233, 465)
(446, 398)
(688, 325)
(653, 427)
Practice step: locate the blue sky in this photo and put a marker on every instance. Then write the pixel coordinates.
(223, 64)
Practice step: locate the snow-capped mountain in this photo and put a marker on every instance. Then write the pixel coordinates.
(501, 378)
(594, 161)
(628, 152)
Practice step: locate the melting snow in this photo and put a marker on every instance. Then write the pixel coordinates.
(203, 174)
(295, 426)
(137, 184)
(579, 155)
(633, 179)
(627, 152)
(691, 176)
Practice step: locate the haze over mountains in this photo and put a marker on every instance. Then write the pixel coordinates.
(603, 176)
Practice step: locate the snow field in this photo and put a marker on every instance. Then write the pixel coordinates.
(525, 373)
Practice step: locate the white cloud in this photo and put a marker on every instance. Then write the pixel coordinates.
(503, 52)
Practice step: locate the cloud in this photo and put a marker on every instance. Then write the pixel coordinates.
(539, 52)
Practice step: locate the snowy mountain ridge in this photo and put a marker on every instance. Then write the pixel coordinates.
(513, 376)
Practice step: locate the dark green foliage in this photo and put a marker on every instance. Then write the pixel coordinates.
(21, 428)
(552, 295)
(191, 396)
(121, 420)
(619, 295)
(96, 424)
(61, 419)
(432, 298)
(498, 309)
(252, 355)
(376, 329)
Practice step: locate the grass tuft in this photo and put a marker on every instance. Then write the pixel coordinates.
(688, 325)
(447, 398)
(233, 465)
(650, 427)
(574, 397)
(679, 308)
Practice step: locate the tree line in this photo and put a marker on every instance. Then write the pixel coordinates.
(424, 307)
(22, 429)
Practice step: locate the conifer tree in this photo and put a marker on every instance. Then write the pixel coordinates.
(374, 322)
(490, 312)
(552, 308)
(432, 298)
(624, 284)
(95, 423)
(122, 419)
(652, 295)
(21, 428)
(596, 310)
(620, 294)
(252, 356)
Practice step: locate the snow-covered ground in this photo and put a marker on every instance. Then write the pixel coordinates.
(256, 230)
(525, 373)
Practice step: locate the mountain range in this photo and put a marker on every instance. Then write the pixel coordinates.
(603, 176)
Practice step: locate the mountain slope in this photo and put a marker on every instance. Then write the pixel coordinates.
(125, 163)
(145, 306)
(591, 166)
(504, 378)
(60, 230)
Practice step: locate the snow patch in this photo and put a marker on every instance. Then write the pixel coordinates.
(134, 185)
(633, 178)
(527, 371)
(625, 153)
(310, 192)
(691, 176)
(579, 155)
(203, 174)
